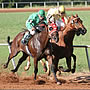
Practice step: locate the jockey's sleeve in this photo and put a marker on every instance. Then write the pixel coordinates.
(32, 18)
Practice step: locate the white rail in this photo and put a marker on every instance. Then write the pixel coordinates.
(44, 4)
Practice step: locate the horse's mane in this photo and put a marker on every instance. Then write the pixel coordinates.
(68, 20)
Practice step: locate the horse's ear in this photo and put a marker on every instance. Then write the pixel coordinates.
(72, 16)
(76, 15)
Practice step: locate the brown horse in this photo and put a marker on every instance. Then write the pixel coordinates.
(64, 47)
(36, 46)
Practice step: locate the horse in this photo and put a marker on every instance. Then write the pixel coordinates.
(35, 47)
(64, 47)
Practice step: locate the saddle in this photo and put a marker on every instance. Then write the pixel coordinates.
(53, 31)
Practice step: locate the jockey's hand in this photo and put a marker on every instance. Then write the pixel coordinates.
(33, 28)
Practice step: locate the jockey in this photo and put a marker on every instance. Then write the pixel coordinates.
(56, 14)
(32, 21)
(63, 14)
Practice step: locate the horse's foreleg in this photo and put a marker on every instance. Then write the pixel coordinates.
(23, 58)
(74, 66)
(28, 64)
(35, 68)
(53, 68)
(68, 61)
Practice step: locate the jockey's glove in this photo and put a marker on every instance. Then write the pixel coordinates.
(33, 29)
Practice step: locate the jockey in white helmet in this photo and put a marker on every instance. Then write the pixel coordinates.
(54, 15)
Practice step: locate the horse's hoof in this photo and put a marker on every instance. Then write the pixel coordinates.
(58, 83)
(73, 70)
(67, 70)
(48, 73)
(34, 78)
(13, 71)
(61, 68)
(26, 68)
(5, 66)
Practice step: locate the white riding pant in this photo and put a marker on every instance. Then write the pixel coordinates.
(32, 32)
(60, 23)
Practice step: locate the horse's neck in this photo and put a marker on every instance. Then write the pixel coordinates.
(66, 37)
(69, 34)
(45, 36)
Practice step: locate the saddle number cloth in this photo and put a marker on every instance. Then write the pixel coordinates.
(52, 28)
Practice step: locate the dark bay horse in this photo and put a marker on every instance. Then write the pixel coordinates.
(64, 47)
(35, 48)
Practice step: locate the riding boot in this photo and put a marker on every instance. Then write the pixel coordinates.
(26, 38)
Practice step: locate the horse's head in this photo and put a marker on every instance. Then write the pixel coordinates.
(54, 36)
(77, 24)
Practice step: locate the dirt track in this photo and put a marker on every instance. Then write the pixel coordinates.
(74, 81)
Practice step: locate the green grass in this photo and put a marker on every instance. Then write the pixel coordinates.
(12, 23)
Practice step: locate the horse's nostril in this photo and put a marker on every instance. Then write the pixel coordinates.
(83, 31)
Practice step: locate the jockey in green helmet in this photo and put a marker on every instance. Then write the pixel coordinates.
(31, 22)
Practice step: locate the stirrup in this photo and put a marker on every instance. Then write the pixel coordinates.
(26, 38)
(23, 41)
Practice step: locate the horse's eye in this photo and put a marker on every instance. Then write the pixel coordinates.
(81, 21)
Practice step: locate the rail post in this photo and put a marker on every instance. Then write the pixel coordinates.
(30, 4)
(44, 4)
(2, 5)
(16, 5)
(87, 57)
(85, 3)
(71, 3)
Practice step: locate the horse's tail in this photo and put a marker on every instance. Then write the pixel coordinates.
(8, 40)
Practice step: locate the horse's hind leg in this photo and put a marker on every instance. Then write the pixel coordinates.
(23, 58)
(11, 55)
(74, 66)
(35, 67)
